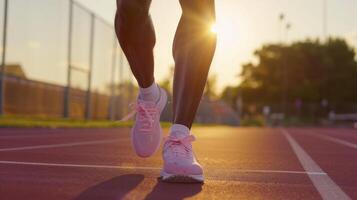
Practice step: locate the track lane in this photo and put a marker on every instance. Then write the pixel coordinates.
(337, 160)
(245, 163)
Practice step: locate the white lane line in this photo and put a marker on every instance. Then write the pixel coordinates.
(49, 135)
(327, 188)
(335, 140)
(276, 171)
(58, 145)
(5, 162)
(76, 165)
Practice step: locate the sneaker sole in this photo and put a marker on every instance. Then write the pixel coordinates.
(179, 178)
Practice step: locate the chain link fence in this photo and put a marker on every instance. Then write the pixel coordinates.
(60, 59)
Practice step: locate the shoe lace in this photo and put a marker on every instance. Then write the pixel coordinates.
(179, 146)
(146, 115)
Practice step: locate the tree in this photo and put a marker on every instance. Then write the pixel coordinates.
(309, 70)
(210, 89)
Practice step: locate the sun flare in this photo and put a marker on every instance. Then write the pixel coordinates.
(214, 28)
(224, 31)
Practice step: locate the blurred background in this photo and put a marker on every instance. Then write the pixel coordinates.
(61, 60)
(278, 62)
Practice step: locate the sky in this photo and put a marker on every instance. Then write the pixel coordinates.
(246, 25)
(243, 26)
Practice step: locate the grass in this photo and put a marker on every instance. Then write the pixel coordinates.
(43, 122)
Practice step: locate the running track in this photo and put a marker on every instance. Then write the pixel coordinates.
(240, 163)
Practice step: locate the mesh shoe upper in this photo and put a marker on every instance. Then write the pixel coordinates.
(179, 157)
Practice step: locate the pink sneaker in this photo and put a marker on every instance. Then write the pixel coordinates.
(146, 134)
(180, 164)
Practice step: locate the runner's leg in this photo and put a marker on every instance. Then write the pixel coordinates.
(136, 36)
(193, 50)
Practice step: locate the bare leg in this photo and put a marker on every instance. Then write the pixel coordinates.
(136, 36)
(193, 50)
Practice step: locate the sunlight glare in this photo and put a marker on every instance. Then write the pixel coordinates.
(214, 28)
(224, 31)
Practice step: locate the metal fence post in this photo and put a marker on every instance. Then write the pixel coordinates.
(120, 81)
(131, 88)
(112, 84)
(3, 61)
(91, 59)
(66, 99)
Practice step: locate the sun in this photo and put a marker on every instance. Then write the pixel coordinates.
(214, 28)
(223, 30)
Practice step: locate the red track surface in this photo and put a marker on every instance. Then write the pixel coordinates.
(240, 163)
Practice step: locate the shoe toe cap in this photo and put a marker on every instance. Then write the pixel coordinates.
(146, 145)
(177, 168)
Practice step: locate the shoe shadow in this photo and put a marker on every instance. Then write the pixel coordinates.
(112, 189)
(173, 191)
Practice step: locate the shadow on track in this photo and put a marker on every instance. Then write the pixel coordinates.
(112, 189)
(173, 191)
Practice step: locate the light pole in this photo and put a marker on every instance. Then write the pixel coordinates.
(281, 27)
(324, 19)
(287, 29)
(285, 70)
(284, 28)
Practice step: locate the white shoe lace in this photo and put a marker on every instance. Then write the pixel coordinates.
(146, 115)
(179, 147)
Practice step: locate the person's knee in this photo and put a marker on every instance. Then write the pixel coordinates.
(132, 20)
(133, 8)
(204, 8)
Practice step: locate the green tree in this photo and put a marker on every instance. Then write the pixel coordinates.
(210, 89)
(307, 70)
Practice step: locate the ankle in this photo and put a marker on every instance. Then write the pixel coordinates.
(151, 93)
(179, 130)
